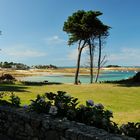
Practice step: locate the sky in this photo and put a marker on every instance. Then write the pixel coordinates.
(32, 31)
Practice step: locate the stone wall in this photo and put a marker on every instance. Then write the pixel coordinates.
(22, 125)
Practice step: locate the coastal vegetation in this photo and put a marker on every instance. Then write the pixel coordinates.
(13, 65)
(110, 66)
(86, 28)
(45, 66)
(21, 66)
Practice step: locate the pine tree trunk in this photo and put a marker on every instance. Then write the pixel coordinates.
(78, 66)
(99, 60)
(91, 62)
(78, 61)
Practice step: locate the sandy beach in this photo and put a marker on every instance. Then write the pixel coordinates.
(60, 71)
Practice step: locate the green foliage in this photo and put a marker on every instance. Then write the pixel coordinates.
(109, 66)
(7, 77)
(95, 115)
(131, 130)
(64, 103)
(4, 102)
(136, 78)
(40, 105)
(45, 66)
(13, 65)
(15, 100)
(2, 94)
(83, 25)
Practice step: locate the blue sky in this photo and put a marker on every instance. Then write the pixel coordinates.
(32, 31)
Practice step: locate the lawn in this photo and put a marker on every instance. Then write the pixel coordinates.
(123, 100)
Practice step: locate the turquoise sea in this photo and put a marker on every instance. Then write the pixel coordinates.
(105, 76)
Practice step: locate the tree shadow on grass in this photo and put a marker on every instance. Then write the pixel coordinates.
(13, 88)
(125, 83)
(129, 84)
(29, 83)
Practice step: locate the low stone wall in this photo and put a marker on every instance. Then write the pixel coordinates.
(22, 125)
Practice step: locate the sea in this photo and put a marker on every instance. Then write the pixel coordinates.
(60, 78)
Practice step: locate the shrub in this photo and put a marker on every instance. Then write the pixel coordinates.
(64, 106)
(65, 103)
(131, 130)
(15, 100)
(95, 115)
(2, 94)
(136, 78)
(40, 105)
(7, 78)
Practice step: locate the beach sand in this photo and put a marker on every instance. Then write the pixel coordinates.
(59, 71)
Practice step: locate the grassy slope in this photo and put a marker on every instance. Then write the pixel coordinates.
(123, 101)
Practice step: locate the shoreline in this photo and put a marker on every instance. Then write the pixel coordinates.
(61, 71)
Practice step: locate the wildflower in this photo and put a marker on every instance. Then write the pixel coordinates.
(99, 106)
(53, 110)
(25, 106)
(89, 103)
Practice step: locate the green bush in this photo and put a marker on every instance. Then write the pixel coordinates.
(40, 105)
(15, 100)
(2, 94)
(64, 103)
(131, 130)
(64, 106)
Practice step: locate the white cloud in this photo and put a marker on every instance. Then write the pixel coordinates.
(73, 54)
(21, 51)
(54, 40)
(126, 56)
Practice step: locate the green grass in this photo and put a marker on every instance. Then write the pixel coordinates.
(124, 101)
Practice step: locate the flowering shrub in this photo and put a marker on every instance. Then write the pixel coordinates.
(40, 105)
(89, 103)
(131, 129)
(65, 104)
(95, 115)
(53, 110)
(62, 105)
(26, 107)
